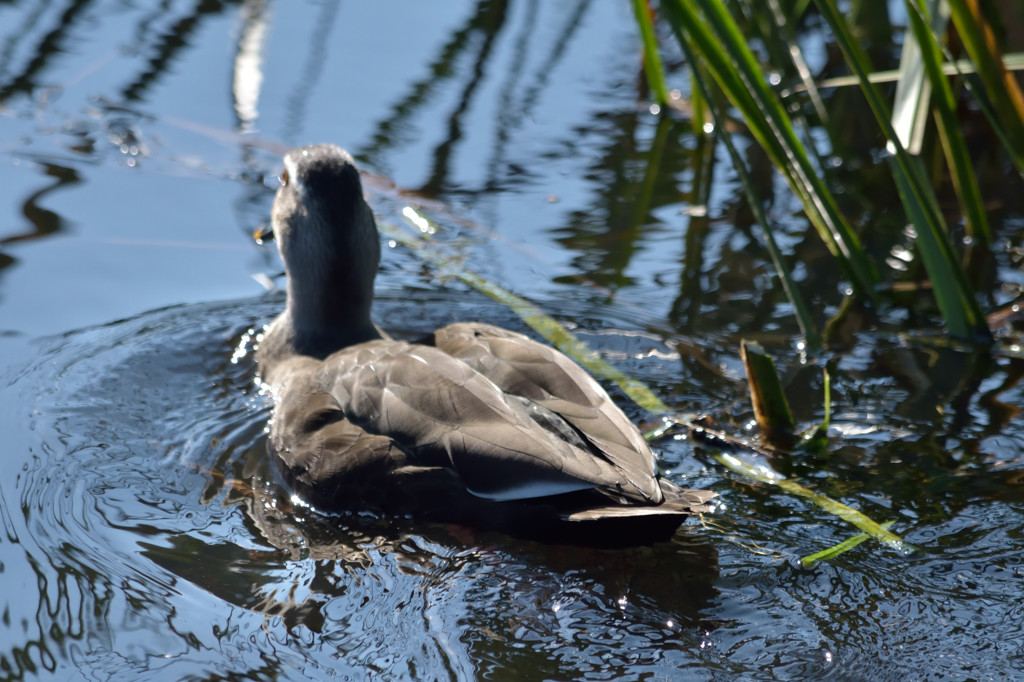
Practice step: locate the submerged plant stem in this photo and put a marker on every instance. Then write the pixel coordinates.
(848, 514)
(811, 560)
(638, 392)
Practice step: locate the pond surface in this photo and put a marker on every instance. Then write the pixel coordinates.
(141, 536)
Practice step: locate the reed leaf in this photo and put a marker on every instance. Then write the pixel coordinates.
(1004, 93)
(848, 514)
(955, 299)
(652, 58)
(716, 109)
(965, 182)
(707, 30)
(812, 560)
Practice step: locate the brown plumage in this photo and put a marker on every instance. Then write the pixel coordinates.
(476, 425)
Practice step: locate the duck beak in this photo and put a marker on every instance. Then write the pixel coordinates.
(263, 233)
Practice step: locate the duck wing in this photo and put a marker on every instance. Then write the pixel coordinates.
(316, 444)
(443, 412)
(521, 366)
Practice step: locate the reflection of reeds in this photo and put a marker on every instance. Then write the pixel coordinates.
(166, 46)
(161, 45)
(730, 79)
(443, 68)
(310, 73)
(48, 47)
(716, 46)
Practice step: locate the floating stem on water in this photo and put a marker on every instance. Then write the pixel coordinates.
(637, 391)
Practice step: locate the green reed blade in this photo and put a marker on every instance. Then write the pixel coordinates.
(953, 294)
(714, 37)
(1003, 91)
(771, 407)
(811, 560)
(848, 514)
(652, 58)
(816, 439)
(965, 182)
(636, 390)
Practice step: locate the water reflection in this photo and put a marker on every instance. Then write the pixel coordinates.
(147, 488)
(139, 531)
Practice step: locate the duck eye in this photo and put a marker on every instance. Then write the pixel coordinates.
(283, 177)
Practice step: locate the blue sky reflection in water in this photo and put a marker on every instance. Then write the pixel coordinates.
(141, 535)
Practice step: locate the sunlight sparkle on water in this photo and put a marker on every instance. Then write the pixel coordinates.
(242, 349)
(418, 221)
(299, 502)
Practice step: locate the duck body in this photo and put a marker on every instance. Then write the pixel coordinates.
(474, 424)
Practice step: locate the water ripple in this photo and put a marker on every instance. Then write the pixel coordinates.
(146, 535)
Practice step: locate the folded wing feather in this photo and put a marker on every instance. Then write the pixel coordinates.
(438, 406)
(522, 366)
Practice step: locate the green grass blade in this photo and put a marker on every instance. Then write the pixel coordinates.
(1002, 89)
(965, 181)
(652, 59)
(811, 560)
(816, 439)
(716, 108)
(714, 37)
(848, 514)
(767, 397)
(947, 277)
(960, 310)
(913, 89)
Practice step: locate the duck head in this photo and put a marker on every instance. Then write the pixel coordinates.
(329, 243)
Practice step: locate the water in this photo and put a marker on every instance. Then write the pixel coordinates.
(142, 535)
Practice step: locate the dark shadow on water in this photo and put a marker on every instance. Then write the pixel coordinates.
(675, 576)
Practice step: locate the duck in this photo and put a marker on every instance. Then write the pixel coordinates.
(474, 425)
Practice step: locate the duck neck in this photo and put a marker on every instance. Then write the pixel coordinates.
(332, 313)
